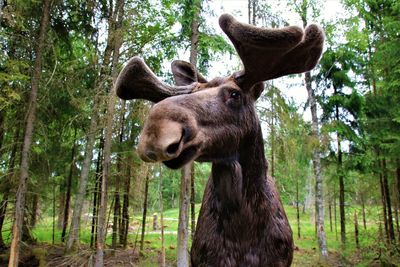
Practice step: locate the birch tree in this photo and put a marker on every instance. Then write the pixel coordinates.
(302, 8)
(117, 37)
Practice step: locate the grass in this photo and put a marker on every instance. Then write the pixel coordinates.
(306, 253)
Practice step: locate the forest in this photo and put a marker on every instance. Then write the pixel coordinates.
(73, 190)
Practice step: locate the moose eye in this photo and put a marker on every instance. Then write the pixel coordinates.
(235, 95)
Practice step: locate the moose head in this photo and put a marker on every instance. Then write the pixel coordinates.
(206, 120)
(242, 221)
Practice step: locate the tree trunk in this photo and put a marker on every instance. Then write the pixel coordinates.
(53, 234)
(192, 202)
(34, 210)
(146, 191)
(194, 44)
(117, 215)
(363, 212)
(298, 209)
(319, 200)
(398, 193)
(117, 38)
(184, 200)
(30, 120)
(388, 202)
(73, 237)
(356, 230)
(9, 177)
(61, 203)
(341, 180)
(335, 214)
(125, 209)
(254, 12)
(273, 133)
(183, 237)
(68, 194)
(3, 210)
(2, 112)
(123, 220)
(96, 202)
(342, 210)
(330, 216)
(162, 225)
(385, 222)
(249, 11)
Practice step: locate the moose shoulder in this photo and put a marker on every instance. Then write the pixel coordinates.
(242, 221)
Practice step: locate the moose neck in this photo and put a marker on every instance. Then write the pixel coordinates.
(243, 174)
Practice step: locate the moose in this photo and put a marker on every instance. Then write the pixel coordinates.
(242, 221)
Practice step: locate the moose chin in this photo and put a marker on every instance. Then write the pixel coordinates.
(242, 221)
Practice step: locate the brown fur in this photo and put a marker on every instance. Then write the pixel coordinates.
(242, 221)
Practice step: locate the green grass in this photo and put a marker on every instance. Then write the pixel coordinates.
(305, 255)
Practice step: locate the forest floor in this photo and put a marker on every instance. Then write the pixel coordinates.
(370, 253)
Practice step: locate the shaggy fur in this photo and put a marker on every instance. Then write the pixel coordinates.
(242, 221)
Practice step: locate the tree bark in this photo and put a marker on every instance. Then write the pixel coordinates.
(398, 193)
(335, 214)
(117, 215)
(330, 216)
(35, 205)
(124, 219)
(30, 120)
(388, 202)
(363, 212)
(183, 237)
(194, 44)
(3, 210)
(384, 206)
(184, 200)
(319, 200)
(298, 210)
(162, 225)
(192, 202)
(61, 203)
(2, 112)
(96, 202)
(341, 200)
(53, 234)
(273, 133)
(341, 180)
(356, 229)
(146, 191)
(9, 176)
(73, 237)
(117, 38)
(68, 194)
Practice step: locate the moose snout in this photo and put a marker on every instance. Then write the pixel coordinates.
(160, 141)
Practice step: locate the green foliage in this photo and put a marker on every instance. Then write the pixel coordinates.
(358, 81)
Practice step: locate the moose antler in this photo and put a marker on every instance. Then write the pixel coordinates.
(265, 53)
(271, 53)
(136, 81)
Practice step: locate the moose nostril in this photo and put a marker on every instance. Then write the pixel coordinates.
(151, 155)
(171, 149)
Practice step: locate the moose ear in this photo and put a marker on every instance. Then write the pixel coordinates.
(185, 73)
(257, 89)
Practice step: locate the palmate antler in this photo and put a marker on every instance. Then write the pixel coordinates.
(271, 53)
(266, 54)
(137, 81)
